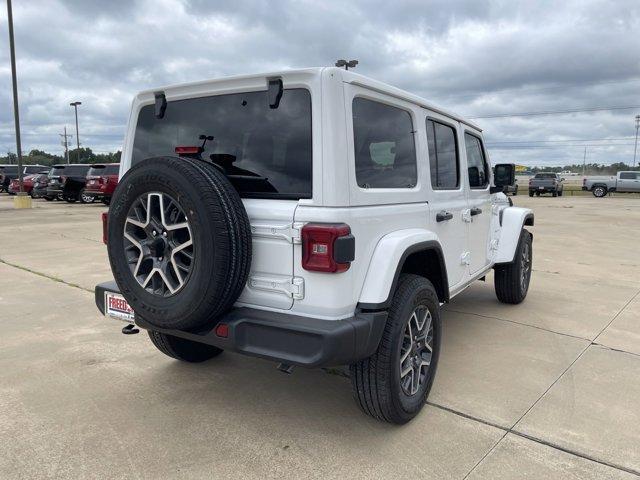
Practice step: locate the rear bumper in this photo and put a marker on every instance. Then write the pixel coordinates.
(304, 341)
(543, 189)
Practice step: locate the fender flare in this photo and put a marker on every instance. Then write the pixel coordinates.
(512, 221)
(387, 261)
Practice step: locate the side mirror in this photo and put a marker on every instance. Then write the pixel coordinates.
(505, 175)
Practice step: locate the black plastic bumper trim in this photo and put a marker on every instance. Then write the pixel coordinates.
(282, 337)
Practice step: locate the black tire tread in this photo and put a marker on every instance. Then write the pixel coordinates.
(370, 377)
(507, 276)
(182, 349)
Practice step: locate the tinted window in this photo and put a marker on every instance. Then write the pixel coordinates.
(111, 170)
(385, 149)
(265, 152)
(627, 176)
(10, 170)
(33, 169)
(545, 175)
(56, 171)
(96, 171)
(76, 170)
(443, 155)
(476, 163)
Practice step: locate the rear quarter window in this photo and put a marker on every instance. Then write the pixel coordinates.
(384, 144)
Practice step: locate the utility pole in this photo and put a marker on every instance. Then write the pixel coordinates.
(75, 106)
(65, 143)
(635, 149)
(14, 79)
(584, 161)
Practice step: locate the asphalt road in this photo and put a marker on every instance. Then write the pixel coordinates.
(547, 389)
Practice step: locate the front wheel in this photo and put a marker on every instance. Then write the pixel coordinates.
(512, 279)
(183, 349)
(393, 384)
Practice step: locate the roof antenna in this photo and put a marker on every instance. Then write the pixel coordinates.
(345, 64)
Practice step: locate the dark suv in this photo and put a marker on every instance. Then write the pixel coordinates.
(67, 182)
(10, 172)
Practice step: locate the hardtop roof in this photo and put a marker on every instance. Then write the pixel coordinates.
(347, 76)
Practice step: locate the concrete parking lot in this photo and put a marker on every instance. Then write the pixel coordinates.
(546, 389)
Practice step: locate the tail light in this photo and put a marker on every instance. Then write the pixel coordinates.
(105, 231)
(104, 180)
(188, 150)
(327, 247)
(584, 182)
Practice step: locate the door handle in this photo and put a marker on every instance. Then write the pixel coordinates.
(443, 216)
(476, 211)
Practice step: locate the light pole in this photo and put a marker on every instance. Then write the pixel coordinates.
(635, 149)
(14, 79)
(75, 106)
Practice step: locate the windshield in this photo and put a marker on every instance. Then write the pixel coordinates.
(545, 175)
(266, 153)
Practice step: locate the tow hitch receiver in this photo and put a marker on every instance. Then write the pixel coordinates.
(130, 329)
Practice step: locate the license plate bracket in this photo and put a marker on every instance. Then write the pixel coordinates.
(115, 306)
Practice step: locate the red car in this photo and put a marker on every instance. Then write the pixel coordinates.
(102, 181)
(27, 183)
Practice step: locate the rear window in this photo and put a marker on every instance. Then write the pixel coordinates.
(265, 152)
(56, 171)
(96, 171)
(111, 169)
(33, 169)
(545, 175)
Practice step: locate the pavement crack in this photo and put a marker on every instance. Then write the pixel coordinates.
(44, 275)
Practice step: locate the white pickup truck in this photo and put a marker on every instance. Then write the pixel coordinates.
(311, 217)
(622, 182)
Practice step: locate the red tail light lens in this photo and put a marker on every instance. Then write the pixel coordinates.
(327, 247)
(188, 150)
(105, 231)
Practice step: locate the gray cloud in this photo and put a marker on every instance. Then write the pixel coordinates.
(474, 57)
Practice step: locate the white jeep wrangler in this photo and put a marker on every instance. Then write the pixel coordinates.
(312, 217)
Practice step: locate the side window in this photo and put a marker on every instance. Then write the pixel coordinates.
(384, 144)
(476, 163)
(443, 156)
(627, 176)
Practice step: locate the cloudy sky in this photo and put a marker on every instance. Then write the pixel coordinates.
(478, 58)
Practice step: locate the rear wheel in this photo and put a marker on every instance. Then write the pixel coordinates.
(85, 197)
(183, 349)
(512, 279)
(599, 191)
(393, 384)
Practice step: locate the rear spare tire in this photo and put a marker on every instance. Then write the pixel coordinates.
(179, 242)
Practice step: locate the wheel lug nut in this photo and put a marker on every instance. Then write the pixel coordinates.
(164, 234)
(154, 233)
(160, 258)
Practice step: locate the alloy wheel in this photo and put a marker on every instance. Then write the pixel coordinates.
(525, 269)
(416, 350)
(158, 244)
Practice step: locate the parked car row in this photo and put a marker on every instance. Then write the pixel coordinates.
(72, 183)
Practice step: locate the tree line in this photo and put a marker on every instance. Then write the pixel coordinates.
(589, 168)
(40, 157)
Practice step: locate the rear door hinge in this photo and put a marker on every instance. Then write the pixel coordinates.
(287, 231)
(292, 287)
